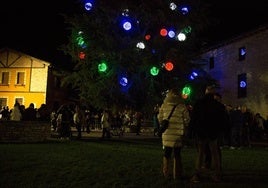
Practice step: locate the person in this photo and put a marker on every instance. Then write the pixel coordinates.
(208, 122)
(29, 114)
(64, 120)
(208, 158)
(172, 138)
(155, 119)
(15, 113)
(105, 123)
(139, 118)
(78, 120)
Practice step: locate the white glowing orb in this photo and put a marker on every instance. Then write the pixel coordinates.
(88, 6)
(181, 37)
(127, 25)
(171, 34)
(172, 6)
(140, 45)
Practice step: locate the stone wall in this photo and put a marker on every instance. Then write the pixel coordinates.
(227, 67)
(24, 131)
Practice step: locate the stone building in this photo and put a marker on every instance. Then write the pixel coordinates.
(240, 65)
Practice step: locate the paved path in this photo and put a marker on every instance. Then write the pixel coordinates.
(147, 136)
(96, 134)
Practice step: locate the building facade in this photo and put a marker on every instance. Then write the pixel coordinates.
(23, 78)
(240, 65)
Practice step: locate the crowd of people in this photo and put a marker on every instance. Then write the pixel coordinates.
(21, 113)
(63, 117)
(211, 125)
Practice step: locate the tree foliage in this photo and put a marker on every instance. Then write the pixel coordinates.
(105, 40)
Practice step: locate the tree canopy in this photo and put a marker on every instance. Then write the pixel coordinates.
(129, 52)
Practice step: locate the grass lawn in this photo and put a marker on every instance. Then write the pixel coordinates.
(115, 163)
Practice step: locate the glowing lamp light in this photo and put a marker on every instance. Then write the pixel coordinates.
(171, 34)
(193, 75)
(187, 30)
(184, 10)
(102, 67)
(163, 32)
(140, 45)
(82, 55)
(172, 6)
(242, 84)
(242, 51)
(169, 66)
(80, 41)
(125, 12)
(88, 6)
(147, 37)
(154, 71)
(181, 37)
(127, 25)
(123, 81)
(186, 91)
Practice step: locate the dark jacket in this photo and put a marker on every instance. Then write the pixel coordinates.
(209, 118)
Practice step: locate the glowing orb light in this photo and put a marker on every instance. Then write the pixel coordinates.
(181, 37)
(187, 30)
(88, 6)
(186, 91)
(123, 81)
(171, 34)
(163, 32)
(193, 75)
(126, 25)
(125, 12)
(154, 71)
(82, 55)
(242, 84)
(140, 45)
(184, 10)
(169, 66)
(147, 37)
(172, 6)
(102, 67)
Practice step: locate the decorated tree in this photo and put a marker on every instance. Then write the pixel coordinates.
(129, 52)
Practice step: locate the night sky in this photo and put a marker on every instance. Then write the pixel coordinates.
(37, 28)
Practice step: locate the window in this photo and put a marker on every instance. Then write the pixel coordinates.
(211, 63)
(242, 85)
(3, 102)
(242, 54)
(20, 78)
(5, 78)
(19, 100)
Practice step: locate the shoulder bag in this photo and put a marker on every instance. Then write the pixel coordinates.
(164, 123)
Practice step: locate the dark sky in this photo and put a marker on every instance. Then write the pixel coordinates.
(37, 28)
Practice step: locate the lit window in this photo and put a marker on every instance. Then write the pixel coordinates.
(242, 85)
(19, 100)
(242, 53)
(20, 78)
(3, 102)
(5, 78)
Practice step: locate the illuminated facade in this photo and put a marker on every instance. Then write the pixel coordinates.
(241, 67)
(22, 78)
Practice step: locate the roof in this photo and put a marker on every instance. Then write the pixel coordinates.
(6, 49)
